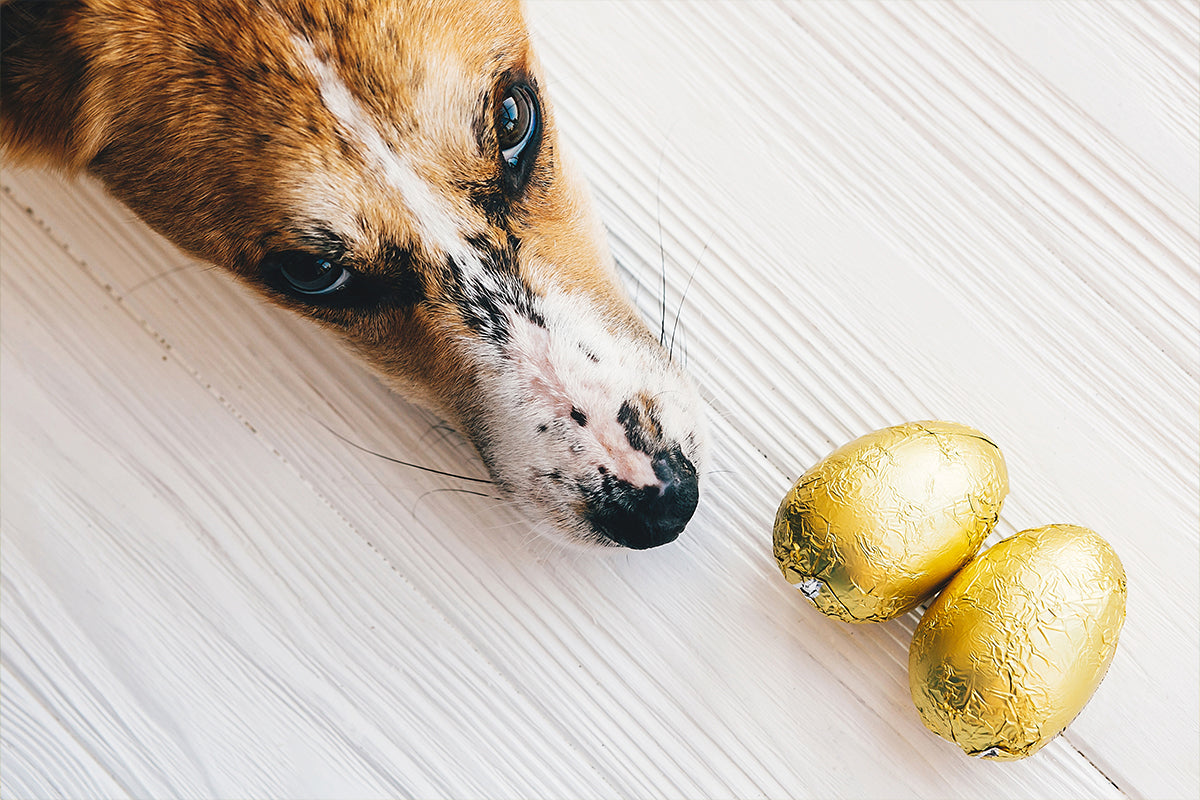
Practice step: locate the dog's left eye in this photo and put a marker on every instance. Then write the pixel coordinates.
(517, 123)
(309, 274)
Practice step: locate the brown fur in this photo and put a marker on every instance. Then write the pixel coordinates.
(243, 130)
(195, 113)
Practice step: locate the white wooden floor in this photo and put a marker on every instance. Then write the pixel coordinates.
(980, 211)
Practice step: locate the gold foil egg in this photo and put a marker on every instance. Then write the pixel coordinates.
(883, 522)
(1015, 645)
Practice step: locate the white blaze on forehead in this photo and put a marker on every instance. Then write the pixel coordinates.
(433, 216)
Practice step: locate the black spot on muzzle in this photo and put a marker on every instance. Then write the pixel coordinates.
(485, 304)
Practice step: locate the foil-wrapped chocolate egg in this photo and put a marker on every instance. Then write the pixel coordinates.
(883, 522)
(1015, 645)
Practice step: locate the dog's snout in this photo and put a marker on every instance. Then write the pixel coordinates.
(643, 517)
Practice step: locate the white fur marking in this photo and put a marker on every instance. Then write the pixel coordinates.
(434, 218)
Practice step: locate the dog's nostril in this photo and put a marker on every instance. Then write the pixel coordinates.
(677, 496)
(649, 516)
(674, 470)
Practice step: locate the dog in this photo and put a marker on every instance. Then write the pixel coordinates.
(391, 170)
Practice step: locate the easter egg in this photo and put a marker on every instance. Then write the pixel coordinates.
(883, 522)
(1015, 645)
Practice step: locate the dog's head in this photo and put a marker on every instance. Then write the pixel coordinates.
(390, 169)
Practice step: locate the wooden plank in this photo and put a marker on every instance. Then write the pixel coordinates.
(184, 614)
(928, 196)
(893, 212)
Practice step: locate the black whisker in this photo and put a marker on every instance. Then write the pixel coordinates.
(719, 472)
(456, 491)
(164, 274)
(662, 256)
(678, 311)
(444, 433)
(405, 463)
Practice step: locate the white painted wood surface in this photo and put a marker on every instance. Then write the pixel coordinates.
(982, 211)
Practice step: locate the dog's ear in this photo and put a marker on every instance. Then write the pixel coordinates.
(45, 87)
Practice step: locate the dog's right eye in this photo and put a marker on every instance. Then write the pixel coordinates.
(518, 133)
(305, 273)
(516, 120)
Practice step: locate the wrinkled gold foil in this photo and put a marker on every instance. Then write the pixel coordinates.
(884, 521)
(1017, 642)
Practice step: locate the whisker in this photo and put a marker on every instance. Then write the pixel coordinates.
(456, 491)
(725, 415)
(678, 311)
(405, 463)
(445, 433)
(662, 255)
(573, 558)
(510, 506)
(164, 274)
(537, 543)
(719, 472)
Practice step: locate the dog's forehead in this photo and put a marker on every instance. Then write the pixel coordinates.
(396, 54)
(405, 96)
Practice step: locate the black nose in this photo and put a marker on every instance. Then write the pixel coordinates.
(647, 516)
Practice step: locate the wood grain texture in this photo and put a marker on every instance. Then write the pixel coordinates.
(867, 213)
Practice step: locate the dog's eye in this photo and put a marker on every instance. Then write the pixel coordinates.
(516, 123)
(309, 274)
